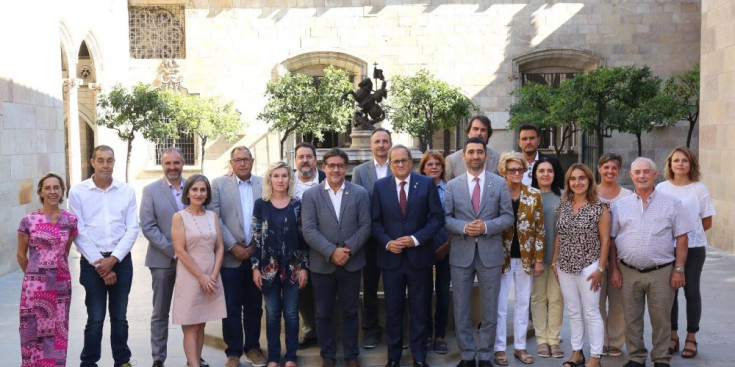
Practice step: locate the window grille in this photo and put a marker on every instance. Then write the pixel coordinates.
(185, 142)
(157, 32)
(550, 137)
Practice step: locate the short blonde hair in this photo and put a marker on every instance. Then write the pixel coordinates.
(268, 188)
(511, 157)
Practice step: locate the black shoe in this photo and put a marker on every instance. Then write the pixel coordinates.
(328, 363)
(203, 363)
(634, 364)
(466, 363)
(485, 363)
(370, 341)
(420, 364)
(306, 342)
(661, 364)
(392, 363)
(157, 363)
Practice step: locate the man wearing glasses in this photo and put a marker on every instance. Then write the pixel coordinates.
(406, 215)
(232, 199)
(336, 223)
(529, 139)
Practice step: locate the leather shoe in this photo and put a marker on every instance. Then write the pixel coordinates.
(328, 363)
(466, 363)
(634, 364)
(485, 363)
(306, 342)
(157, 363)
(352, 363)
(420, 364)
(202, 363)
(392, 363)
(370, 341)
(661, 364)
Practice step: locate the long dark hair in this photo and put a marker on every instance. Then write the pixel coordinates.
(534, 181)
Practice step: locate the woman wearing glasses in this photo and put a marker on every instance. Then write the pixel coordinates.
(524, 256)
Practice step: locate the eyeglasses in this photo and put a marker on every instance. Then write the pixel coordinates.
(336, 166)
(399, 162)
(242, 160)
(433, 164)
(515, 171)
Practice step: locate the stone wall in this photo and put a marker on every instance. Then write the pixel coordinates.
(717, 129)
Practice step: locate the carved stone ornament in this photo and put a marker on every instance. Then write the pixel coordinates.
(169, 76)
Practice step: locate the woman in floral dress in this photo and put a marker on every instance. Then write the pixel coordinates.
(280, 260)
(44, 238)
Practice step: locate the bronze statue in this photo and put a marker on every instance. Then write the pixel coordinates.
(369, 112)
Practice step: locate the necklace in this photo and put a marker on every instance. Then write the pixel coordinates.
(196, 223)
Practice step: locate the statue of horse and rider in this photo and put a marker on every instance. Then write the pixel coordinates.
(369, 111)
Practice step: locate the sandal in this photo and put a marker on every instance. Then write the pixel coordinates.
(543, 350)
(556, 351)
(599, 361)
(500, 358)
(523, 356)
(689, 352)
(675, 348)
(614, 352)
(571, 363)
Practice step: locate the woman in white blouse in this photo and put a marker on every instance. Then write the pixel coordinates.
(682, 173)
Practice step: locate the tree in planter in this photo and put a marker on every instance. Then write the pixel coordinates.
(421, 104)
(207, 117)
(296, 104)
(683, 89)
(139, 110)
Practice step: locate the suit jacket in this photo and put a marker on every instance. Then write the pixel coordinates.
(364, 175)
(226, 203)
(496, 210)
(558, 177)
(323, 232)
(423, 219)
(157, 208)
(531, 233)
(455, 164)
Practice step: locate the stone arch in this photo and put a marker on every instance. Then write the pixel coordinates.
(95, 52)
(353, 64)
(68, 56)
(557, 59)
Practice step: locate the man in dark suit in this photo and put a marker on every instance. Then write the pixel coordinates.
(407, 213)
(336, 224)
(233, 198)
(365, 175)
(160, 200)
(478, 209)
(479, 127)
(307, 176)
(529, 138)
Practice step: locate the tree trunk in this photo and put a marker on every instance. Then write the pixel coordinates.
(640, 149)
(692, 123)
(204, 150)
(127, 159)
(447, 143)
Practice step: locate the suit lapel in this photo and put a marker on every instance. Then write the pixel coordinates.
(486, 191)
(372, 177)
(328, 200)
(169, 195)
(235, 194)
(412, 191)
(345, 198)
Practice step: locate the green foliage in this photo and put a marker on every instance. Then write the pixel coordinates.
(683, 90)
(138, 110)
(296, 105)
(421, 104)
(207, 117)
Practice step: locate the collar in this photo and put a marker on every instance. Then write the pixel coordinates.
(115, 183)
(653, 194)
(375, 161)
(170, 185)
(481, 176)
(398, 181)
(248, 181)
(327, 187)
(442, 184)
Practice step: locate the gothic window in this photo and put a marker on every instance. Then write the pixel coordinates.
(185, 142)
(157, 32)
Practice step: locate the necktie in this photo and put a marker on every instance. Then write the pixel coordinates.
(402, 196)
(476, 196)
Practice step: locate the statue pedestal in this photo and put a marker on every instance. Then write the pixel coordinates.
(360, 139)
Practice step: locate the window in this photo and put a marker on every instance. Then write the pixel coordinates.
(551, 138)
(157, 32)
(185, 142)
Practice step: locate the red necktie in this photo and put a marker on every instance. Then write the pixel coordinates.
(402, 201)
(476, 196)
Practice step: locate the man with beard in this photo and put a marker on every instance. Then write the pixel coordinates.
(307, 176)
(479, 127)
(529, 139)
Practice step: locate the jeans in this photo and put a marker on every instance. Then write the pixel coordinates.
(281, 298)
(96, 301)
(438, 326)
(692, 274)
(244, 304)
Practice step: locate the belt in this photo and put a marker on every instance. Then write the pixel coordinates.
(647, 270)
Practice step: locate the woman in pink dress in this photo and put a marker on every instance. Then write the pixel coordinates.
(198, 294)
(44, 238)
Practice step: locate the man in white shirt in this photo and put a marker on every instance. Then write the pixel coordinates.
(108, 226)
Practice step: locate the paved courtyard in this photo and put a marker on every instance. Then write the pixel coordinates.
(716, 338)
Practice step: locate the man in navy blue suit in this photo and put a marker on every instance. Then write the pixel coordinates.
(407, 214)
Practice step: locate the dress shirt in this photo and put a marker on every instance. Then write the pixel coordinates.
(246, 201)
(527, 175)
(441, 188)
(643, 236)
(176, 192)
(336, 197)
(302, 186)
(398, 192)
(107, 219)
(380, 171)
(471, 186)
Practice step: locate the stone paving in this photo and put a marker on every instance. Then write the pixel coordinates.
(715, 338)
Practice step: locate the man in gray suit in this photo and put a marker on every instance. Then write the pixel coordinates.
(336, 224)
(160, 200)
(477, 210)
(365, 175)
(479, 127)
(232, 199)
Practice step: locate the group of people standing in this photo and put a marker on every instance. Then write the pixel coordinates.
(299, 239)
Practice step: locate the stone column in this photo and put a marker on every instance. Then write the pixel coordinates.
(71, 107)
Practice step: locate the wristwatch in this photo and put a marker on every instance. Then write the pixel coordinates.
(601, 269)
(679, 269)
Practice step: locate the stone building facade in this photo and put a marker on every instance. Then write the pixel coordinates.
(232, 48)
